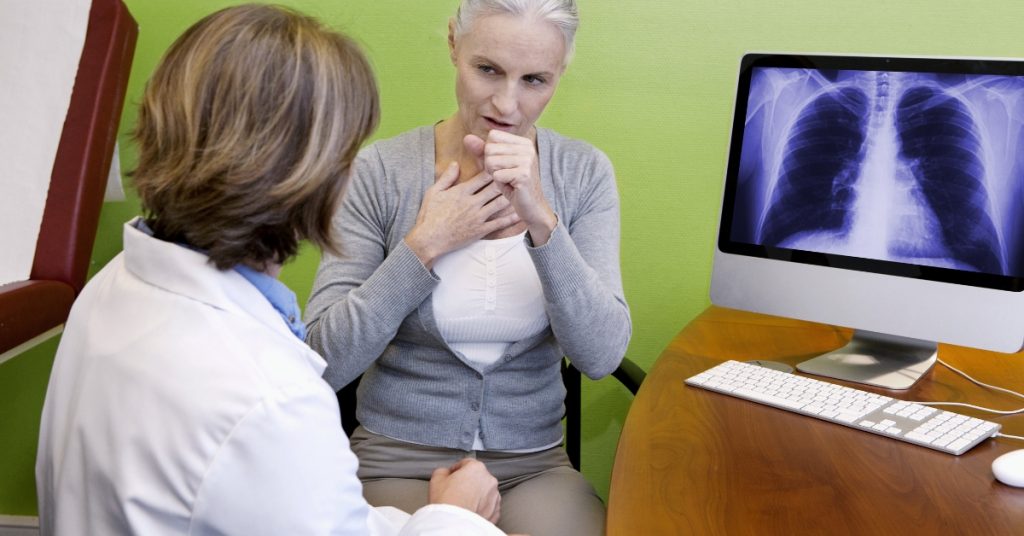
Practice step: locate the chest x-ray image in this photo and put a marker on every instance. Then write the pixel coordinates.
(919, 168)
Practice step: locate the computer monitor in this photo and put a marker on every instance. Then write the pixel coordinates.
(882, 194)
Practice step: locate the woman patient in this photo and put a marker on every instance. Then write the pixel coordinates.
(475, 254)
(182, 399)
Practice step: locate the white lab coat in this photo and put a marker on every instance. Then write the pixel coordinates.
(180, 403)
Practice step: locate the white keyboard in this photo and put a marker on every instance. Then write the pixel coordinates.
(944, 431)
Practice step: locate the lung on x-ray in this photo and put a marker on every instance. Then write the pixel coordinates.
(917, 168)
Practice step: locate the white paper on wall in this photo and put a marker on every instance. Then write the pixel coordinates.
(115, 190)
(40, 45)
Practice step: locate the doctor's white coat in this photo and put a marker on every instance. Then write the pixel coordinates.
(180, 403)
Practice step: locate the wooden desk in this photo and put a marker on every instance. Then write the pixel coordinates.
(690, 461)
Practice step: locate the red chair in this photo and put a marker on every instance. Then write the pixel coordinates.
(32, 310)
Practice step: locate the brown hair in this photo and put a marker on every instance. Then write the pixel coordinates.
(247, 132)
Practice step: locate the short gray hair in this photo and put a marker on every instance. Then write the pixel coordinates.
(562, 13)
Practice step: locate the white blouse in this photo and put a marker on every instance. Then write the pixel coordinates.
(489, 297)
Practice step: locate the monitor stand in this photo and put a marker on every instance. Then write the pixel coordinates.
(876, 359)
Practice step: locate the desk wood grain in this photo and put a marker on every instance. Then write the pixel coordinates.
(690, 461)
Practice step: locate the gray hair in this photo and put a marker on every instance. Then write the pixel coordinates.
(562, 13)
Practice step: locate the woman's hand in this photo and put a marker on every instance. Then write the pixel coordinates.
(452, 215)
(513, 164)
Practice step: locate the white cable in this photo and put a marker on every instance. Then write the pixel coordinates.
(964, 374)
(972, 406)
(1017, 437)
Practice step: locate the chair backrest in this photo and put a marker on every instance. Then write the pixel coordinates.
(86, 148)
(60, 265)
(629, 374)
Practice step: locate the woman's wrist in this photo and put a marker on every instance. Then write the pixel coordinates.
(421, 248)
(540, 232)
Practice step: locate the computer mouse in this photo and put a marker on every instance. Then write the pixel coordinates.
(1009, 468)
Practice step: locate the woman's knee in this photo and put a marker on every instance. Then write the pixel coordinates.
(557, 502)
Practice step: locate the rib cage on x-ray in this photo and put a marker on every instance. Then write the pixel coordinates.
(938, 136)
(815, 190)
(881, 165)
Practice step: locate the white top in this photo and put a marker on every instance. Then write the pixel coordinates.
(180, 403)
(489, 297)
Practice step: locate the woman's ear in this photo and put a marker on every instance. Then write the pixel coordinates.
(451, 39)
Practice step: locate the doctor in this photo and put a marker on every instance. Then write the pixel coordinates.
(182, 399)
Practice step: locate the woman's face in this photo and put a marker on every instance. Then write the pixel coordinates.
(507, 69)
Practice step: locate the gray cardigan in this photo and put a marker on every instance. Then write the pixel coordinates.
(370, 310)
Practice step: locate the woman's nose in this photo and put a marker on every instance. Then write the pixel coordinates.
(504, 101)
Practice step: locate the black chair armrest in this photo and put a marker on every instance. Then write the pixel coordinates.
(347, 406)
(630, 375)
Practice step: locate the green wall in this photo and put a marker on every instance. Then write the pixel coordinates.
(652, 84)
